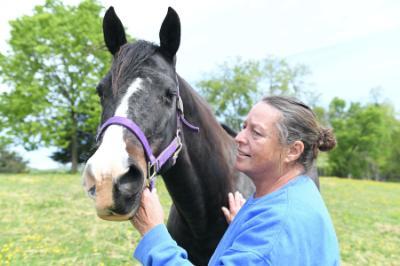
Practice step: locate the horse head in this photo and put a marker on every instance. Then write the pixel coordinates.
(141, 89)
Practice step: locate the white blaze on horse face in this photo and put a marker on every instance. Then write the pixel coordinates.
(135, 87)
(111, 158)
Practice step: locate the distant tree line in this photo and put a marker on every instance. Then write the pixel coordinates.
(368, 143)
(367, 134)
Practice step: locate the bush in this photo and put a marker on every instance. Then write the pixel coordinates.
(11, 162)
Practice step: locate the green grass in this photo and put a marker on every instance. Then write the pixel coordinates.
(48, 220)
(366, 215)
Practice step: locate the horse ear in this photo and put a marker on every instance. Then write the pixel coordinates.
(170, 34)
(113, 30)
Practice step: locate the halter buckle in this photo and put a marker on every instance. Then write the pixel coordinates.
(179, 148)
(151, 170)
(179, 104)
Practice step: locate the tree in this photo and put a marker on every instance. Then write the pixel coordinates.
(237, 85)
(283, 79)
(86, 147)
(391, 167)
(11, 162)
(364, 135)
(232, 90)
(56, 59)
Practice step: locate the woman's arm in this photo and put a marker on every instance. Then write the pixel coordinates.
(156, 247)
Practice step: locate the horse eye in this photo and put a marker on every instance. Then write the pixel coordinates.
(171, 93)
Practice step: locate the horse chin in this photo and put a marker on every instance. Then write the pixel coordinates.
(112, 216)
(120, 211)
(115, 218)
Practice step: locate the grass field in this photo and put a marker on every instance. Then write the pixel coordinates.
(48, 220)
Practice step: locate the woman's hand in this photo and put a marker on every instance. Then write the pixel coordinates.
(236, 202)
(150, 212)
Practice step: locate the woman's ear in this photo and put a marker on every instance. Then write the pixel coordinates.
(294, 151)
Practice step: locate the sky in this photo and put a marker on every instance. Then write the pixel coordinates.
(349, 46)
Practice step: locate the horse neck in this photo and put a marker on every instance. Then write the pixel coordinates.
(204, 173)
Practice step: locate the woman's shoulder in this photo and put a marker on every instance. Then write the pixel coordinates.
(304, 196)
(308, 218)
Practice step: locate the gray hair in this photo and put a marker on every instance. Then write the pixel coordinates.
(298, 123)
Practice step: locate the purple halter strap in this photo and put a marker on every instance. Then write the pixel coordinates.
(154, 164)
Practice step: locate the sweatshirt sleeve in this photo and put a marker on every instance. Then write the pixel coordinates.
(158, 248)
(232, 257)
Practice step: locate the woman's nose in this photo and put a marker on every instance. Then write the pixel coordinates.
(240, 137)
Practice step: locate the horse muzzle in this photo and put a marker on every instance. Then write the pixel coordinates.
(116, 194)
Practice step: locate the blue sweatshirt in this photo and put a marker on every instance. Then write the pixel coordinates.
(290, 226)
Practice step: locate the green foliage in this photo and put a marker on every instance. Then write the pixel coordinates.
(322, 115)
(56, 59)
(237, 85)
(365, 135)
(391, 170)
(86, 148)
(280, 78)
(11, 162)
(87, 141)
(231, 91)
(47, 219)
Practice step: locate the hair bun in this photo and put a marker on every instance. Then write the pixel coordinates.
(327, 140)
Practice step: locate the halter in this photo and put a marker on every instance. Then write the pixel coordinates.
(154, 164)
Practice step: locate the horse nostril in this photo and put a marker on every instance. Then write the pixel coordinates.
(92, 192)
(129, 183)
(127, 191)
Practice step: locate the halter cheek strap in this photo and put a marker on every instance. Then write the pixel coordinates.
(154, 164)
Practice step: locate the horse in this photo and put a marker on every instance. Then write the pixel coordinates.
(143, 88)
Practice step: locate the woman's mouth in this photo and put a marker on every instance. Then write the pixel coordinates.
(242, 154)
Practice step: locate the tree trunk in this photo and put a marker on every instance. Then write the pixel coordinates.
(74, 153)
(74, 144)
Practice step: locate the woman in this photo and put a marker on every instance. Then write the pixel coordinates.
(285, 222)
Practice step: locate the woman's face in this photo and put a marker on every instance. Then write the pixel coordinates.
(259, 150)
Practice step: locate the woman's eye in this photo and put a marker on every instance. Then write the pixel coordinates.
(255, 132)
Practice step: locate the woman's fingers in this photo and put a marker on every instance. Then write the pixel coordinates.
(227, 214)
(241, 199)
(150, 212)
(231, 200)
(235, 202)
(238, 198)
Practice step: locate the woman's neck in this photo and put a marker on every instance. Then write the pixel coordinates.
(268, 184)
